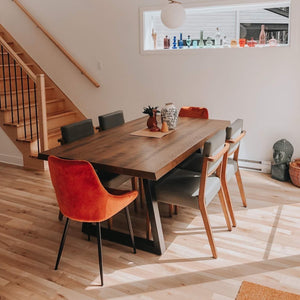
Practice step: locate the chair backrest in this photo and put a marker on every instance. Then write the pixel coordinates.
(111, 120)
(193, 112)
(79, 192)
(212, 147)
(232, 132)
(76, 131)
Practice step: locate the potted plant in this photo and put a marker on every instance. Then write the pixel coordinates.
(151, 111)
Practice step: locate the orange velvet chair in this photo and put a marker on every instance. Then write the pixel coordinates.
(193, 112)
(82, 197)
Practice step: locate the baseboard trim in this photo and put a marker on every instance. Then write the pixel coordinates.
(11, 160)
(254, 165)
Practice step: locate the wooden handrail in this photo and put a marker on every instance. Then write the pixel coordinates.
(17, 58)
(58, 45)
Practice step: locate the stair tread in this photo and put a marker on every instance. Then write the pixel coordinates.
(49, 117)
(6, 65)
(52, 133)
(26, 91)
(12, 78)
(19, 52)
(14, 107)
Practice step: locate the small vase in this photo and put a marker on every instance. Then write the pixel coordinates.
(169, 114)
(152, 122)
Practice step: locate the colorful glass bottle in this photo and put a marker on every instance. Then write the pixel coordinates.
(233, 43)
(218, 38)
(180, 42)
(209, 42)
(251, 43)
(166, 42)
(201, 41)
(188, 41)
(272, 42)
(226, 43)
(174, 43)
(262, 35)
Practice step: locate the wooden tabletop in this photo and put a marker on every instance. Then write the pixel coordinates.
(116, 150)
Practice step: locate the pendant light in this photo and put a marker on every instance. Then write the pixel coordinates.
(173, 15)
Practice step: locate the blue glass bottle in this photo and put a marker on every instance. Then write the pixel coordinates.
(174, 43)
(180, 42)
(189, 41)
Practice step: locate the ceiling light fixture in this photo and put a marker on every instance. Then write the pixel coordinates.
(173, 15)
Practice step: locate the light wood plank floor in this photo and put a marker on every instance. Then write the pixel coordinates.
(264, 248)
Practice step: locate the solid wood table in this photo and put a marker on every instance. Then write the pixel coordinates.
(116, 150)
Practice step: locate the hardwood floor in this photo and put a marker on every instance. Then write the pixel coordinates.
(264, 247)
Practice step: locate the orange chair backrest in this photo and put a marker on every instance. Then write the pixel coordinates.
(193, 112)
(79, 192)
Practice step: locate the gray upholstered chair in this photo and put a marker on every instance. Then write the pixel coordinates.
(76, 131)
(111, 120)
(197, 189)
(234, 134)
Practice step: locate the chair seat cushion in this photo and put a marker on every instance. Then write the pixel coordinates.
(231, 168)
(181, 188)
(111, 180)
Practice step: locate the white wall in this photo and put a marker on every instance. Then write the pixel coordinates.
(259, 85)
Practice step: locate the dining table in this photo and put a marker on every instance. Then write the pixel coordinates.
(131, 149)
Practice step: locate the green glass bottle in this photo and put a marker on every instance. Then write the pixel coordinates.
(201, 42)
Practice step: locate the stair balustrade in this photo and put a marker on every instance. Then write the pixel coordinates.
(22, 98)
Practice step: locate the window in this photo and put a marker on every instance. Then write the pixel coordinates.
(237, 25)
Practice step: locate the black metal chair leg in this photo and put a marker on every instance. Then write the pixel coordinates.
(100, 251)
(60, 216)
(62, 243)
(130, 228)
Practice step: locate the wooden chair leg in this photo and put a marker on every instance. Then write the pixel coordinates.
(62, 243)
(134, 185)
(241, 187)
(224, 208)
(99, 243)
(208, 229)
(130, 228)
(228, 202)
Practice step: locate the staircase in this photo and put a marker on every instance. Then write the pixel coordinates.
(32, 107)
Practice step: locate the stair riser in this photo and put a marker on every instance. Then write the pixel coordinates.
(52, 141)
(12, 71)
(61, 121)
(13, 84)
(8, 116)
(51, 108)
(11, 101)
(52, 123)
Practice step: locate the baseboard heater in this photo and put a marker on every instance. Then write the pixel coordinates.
(255, 165)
